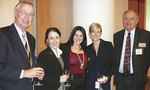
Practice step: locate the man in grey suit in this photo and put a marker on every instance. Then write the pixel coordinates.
(17, 52)
(132, 54)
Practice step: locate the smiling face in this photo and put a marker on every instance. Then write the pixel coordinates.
(130, 20)
(53, 40)
(78, 37)
(24, 16)
(95, 34)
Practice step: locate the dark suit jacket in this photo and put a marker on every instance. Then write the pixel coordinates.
(13, 59)
(52, 68)
(140, 62)
(105, 57)
(66, 53)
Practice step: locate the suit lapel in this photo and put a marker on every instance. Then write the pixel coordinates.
(53, 57)
(136, 38)
(17, 43)
(135, 44)
(120, 44)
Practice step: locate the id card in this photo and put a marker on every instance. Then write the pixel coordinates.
(97, 85)
(138, 51)
(142, 45)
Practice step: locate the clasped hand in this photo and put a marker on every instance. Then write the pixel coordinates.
(103, 79)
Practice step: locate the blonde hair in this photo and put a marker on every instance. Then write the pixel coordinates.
(94, 26)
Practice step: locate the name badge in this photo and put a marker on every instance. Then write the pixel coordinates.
(139, 51)
(142, 45)
(97, 85)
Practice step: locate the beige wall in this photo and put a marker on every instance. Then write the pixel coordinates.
(59, 13)
(120, 7)
(43, 22)
(7, 12)
(106, 12)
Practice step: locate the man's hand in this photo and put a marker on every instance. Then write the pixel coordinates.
(36, 72)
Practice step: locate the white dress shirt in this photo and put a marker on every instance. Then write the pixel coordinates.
(20, 35)
(58, 50)
(123, 50)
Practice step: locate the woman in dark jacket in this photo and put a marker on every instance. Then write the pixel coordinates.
(99, 68)
(52, 62)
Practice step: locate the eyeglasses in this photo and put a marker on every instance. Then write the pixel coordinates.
(24, 13)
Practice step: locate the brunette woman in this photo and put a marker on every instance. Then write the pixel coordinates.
(75, 54)
(52, 62)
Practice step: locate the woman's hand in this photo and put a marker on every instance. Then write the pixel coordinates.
(63, 78)
(103, 79)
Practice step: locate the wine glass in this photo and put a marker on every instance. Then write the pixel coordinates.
(37, 81)
(67, 84)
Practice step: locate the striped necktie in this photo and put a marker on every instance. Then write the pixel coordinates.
(27, 49)
(126, 68)
(26, 46)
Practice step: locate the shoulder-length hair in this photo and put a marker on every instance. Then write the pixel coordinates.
(75, 29)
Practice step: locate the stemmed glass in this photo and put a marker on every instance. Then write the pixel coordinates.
(100, 78)
(67, 84)
(37, 81)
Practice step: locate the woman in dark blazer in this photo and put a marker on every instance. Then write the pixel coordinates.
(99, 68)
(52, 62)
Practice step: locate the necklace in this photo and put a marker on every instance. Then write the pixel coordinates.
(82, 63)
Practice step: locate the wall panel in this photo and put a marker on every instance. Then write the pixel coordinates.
(139, 6)
(61, 17)
(43, 22)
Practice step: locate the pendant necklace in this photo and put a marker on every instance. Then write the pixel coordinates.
(82, 63)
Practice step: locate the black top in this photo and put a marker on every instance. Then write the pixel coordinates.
(105, 58)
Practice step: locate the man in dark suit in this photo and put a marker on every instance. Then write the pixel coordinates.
(17, 53)
(132, 54)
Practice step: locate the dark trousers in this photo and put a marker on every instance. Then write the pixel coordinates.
(77, 85)
(77, 82)
(127, 83)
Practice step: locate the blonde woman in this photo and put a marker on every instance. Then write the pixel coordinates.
(101, 58)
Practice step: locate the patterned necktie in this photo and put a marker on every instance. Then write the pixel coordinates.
(26, 46)
(27, 49)
(126, 67)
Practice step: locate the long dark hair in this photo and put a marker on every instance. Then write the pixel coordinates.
(75, 29)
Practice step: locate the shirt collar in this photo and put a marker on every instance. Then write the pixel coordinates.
(19, 30)
(59, 51)
(132, 31)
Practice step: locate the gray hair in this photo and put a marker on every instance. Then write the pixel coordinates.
(20, 3)
(137, 15)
